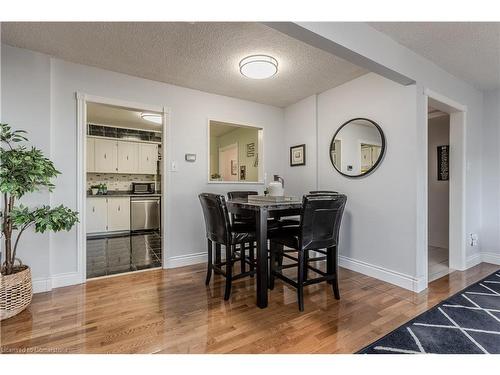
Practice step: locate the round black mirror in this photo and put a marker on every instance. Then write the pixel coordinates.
(357, 147)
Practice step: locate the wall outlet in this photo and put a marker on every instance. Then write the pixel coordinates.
(473, 239)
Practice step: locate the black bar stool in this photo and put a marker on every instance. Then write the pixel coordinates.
(220, 231)
(239, 220)
(318, 229)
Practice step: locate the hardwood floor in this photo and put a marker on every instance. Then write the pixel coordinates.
(171, 311)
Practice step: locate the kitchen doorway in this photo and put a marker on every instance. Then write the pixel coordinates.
(123, 187)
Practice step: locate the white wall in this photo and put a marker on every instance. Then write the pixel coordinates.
(300, 120)
(26, 105)
(49, 114)
(379, 223)
(362, 39)
(378, 228)
(490, 228)
(438, 191)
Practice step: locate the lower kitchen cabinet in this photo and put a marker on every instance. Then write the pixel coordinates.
(118, 213)
(110, 214)
(97, 215)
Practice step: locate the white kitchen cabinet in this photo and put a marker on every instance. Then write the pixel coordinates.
(97, 215)
(148, 156)
(110, 156)
(118, 213)
(105, 155)
(90, 154)
(128, 157)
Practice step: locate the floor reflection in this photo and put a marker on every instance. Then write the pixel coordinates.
(119, 254)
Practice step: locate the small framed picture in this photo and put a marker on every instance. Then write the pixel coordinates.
(297, 155)
(443, 161)
(250, 150)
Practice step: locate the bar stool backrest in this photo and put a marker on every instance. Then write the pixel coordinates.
(217, 224)
(241, 195)
(320, 220)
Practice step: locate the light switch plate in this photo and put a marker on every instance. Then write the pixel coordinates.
(190, 158)
(173, 166)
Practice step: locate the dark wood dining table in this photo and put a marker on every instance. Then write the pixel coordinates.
(262, 211)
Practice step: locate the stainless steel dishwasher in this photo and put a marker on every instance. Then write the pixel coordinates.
(144, 213)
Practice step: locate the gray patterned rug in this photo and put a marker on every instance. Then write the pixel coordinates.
(468, 322)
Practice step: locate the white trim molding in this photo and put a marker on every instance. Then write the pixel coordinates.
(493, 258)
(473, 260)
(41, 285)
(82, 100)
(393, 277)
(186, 260)
(457, 196)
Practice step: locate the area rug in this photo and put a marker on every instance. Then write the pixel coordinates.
(468, 322)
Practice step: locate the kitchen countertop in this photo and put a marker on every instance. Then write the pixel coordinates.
(123, 194)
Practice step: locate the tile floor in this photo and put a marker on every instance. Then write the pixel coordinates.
(118, 254)
(438, 263)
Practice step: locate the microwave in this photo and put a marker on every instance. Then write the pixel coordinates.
(143, 187)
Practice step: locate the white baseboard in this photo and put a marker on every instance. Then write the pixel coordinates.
(66, 279)
(41, 285)
(473, 260)
(186, 260)
(384, 274)
(405, 281)
(492, 258)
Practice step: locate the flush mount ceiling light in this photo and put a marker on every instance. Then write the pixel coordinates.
(258, 66)
(152, 117)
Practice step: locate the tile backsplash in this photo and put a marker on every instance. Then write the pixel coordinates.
(121, 182)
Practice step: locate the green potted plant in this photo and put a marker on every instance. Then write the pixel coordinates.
(23, 170)
(216, 177)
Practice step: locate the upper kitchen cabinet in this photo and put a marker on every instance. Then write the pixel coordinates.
(106, 156)
(90, 155)
(148, 157)
(110, 156)
(128, 157)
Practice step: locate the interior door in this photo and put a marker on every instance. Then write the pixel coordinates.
(96, 215)
(228, 163)
(128, 157)
(106, 153)
(366, 158)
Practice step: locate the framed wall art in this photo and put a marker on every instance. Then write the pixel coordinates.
(297, 155)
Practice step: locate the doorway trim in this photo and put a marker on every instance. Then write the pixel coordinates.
(82, 99)
(457, 186)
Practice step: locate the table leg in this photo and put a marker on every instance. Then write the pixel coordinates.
(261, 219)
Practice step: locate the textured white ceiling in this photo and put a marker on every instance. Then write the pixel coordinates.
(117, 116)
(468, 50)
(202, 55)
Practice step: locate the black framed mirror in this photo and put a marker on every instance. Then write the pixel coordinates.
(357, 147)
